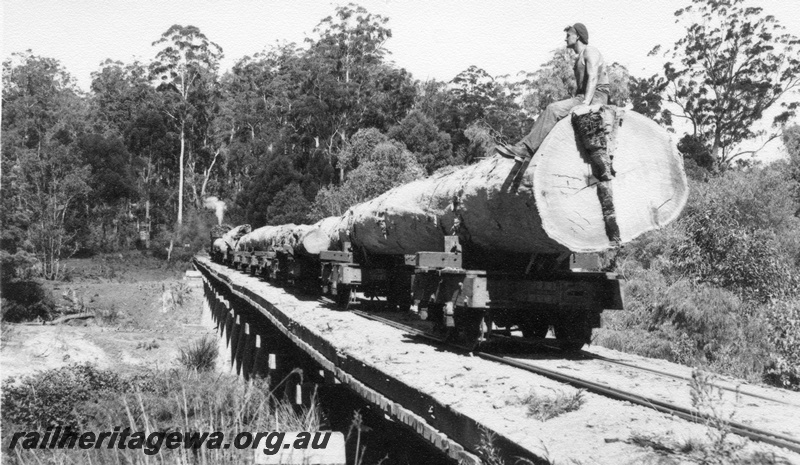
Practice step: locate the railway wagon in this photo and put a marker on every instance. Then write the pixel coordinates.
(566, 292)
(499, 246)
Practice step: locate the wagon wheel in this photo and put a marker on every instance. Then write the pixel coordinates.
(436, 316)
(573, 335)
(534, 327)
(398, 300)
(345, 297)
(473, 327)
(342, 296)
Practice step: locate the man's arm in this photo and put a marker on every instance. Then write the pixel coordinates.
(592, 71)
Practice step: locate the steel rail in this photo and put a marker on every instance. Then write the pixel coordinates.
(755, 434)
(591, 356)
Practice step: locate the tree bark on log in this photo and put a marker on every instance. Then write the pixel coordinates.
(549, 205)
(257, 239)
(229, 240)
(286, 237)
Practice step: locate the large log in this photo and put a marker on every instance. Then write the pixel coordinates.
(649, 189)
(286, 238)
(229, 240)
(257, 239)
(550, 205)
(289, 236)
(322, 236)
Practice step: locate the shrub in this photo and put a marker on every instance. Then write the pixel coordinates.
(716, 287)
(200, 356)
(27, 301)
(175, 400)
(688, 323)
(51, 398)
(784, 320)
(24, 298)
(737, 230)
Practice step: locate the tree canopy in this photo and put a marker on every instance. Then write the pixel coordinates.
(732, 65)
(295, 131)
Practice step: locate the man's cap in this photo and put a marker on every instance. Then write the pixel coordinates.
(581, 31)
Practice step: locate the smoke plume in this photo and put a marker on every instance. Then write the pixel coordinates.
(217, 205)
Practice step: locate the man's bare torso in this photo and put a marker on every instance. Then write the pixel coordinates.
(582, 77)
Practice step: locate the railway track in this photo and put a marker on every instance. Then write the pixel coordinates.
(734, 390)
(422, 386)
(585, 355)
(689, 414)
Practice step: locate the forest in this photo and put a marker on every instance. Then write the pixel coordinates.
(157, 152)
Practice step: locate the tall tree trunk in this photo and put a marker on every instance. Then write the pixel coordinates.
(716, 154)
(207, 176)
(180, 180)
(147, 220)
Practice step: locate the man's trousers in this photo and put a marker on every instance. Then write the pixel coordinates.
(552, 115)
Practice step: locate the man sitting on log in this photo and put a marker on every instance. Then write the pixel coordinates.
(592, 89)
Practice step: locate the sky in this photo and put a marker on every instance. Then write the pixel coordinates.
(430, 38)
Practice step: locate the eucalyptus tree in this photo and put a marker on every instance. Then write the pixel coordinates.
(186, 72)
(376, 164)
(43, 176)
(255, 109)
(349, 83)
(120, 93)
(432, 148)
(479, 100)
(733, 64)
(122, 97)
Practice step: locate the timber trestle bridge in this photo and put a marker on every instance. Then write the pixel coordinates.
(458, 401)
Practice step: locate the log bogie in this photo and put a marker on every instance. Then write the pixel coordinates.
(563, 292)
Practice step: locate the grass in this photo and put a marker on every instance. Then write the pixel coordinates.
(160, 401)
(544, 408)
(7, 332)
(487, 450)
(108, 317)
(490, 454)
(700, 451)
(719, 446)
(148, 345)
(200, 356)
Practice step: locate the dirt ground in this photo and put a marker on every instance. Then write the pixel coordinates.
(144, 313)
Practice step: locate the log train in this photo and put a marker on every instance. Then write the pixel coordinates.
(495, 247)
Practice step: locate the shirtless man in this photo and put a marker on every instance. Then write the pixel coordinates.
(593, 88)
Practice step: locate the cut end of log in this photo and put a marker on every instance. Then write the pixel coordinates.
(220, 245)
(649, 189)
(315, 241)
